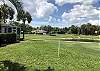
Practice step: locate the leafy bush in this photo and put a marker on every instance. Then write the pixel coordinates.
(7, 38)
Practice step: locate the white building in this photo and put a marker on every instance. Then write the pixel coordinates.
(6, 28)
(43, 32)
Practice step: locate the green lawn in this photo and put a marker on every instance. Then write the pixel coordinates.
(60, 36)
(41, 51)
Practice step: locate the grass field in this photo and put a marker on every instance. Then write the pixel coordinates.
(41, 51)
(60, 36)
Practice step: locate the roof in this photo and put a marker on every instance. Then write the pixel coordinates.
(40, 31)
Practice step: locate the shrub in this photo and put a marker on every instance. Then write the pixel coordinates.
(7, 38)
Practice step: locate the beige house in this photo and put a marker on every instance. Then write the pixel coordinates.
(42, 32)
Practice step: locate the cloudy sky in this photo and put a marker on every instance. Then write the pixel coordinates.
(63, 13)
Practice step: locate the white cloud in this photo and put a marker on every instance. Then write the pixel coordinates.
(29, 5)
(50, 19)
(80, 14)
(39, 8)
(44, 9)
(1, 3)
(62, 2)
(94, 22)
(53, 20)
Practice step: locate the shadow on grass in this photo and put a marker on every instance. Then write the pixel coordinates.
(48, 69)
(5, 44)
(11, 66)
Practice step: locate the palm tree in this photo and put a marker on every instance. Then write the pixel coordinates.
(22, 15)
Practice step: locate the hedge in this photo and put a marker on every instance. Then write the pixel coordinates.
(7, 38)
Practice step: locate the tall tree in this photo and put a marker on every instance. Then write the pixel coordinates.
(22, 14)
(73, 29)
(5, 13)
(18, 4)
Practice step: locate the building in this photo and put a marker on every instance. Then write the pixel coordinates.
(7, 28)
(42, 32)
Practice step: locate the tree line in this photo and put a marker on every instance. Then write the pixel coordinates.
(84, 29)
(7, 12)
